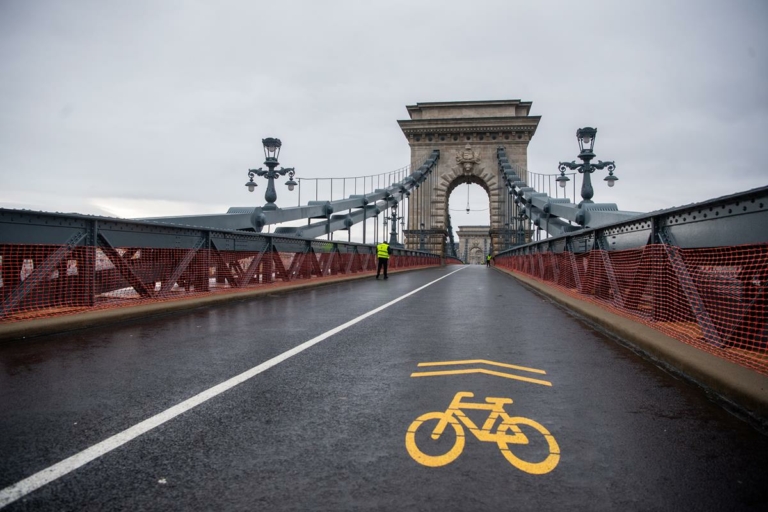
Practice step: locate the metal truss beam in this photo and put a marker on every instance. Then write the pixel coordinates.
(123, 267)
(732, 220)
(553, 214)
(686, 282)
(360, 208)
(40, 274)
(50, 239)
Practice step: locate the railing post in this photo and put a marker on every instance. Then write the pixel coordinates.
(89, 272)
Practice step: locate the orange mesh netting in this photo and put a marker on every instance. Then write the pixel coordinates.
(713, 298)
(50, 280)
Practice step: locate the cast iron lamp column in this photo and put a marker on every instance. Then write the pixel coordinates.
(393, 234)
(586, 137)
(521, 228)
(271, 152)
(490, 244)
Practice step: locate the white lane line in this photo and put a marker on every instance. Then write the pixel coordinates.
(49, 474)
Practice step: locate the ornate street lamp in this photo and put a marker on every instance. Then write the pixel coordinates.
(421, 237)
(490, 245)
(271, 152)
(393, 234)
(521, 228)
(586, 137)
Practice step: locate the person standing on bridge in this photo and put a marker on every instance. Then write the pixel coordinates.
(488, 261)
(383, 251)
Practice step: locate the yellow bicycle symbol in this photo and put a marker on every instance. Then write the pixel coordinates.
(507, 433)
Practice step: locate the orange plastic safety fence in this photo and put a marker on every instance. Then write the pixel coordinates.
(714, 299)
(49, 280)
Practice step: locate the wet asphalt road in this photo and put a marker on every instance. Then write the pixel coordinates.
(326, 428)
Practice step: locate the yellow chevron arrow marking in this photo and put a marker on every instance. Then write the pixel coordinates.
(485, 361)
(482, 370)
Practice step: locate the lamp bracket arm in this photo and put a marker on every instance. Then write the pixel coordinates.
(562, 166)
(602, 165)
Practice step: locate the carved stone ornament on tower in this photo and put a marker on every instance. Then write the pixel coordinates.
(467, 158)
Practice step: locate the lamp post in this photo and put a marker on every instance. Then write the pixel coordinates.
(393, 234)
(421, 238)
(586, 137)
(490, 245)
(521, 228)
(271, 152)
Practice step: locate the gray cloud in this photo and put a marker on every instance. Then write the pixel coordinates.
(168, 101)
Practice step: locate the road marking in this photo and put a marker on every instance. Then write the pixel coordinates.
(49, 474)
(482, 370)
(455, 416)
(485, 361)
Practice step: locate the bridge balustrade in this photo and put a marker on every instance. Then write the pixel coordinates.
(102, 263)
(697, 273)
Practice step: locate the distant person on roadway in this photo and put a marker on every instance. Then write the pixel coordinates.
(488, 261)
(383, 251)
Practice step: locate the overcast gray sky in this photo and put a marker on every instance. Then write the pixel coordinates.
(146, 108)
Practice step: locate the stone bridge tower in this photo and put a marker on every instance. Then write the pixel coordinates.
(467, 134)
(474, 244)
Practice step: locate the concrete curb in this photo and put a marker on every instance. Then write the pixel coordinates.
(42, 326)
(740, 386)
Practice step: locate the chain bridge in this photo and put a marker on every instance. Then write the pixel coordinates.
(249, 360)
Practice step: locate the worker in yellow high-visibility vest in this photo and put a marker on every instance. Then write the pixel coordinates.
(383, 251)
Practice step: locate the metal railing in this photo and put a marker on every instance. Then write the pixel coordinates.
(698, 273)
(547, 183)
(331, 189)
(56, 264)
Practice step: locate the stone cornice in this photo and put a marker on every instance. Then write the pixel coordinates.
(466, 129)
(471, 122)
(493, 126)
(467, 104)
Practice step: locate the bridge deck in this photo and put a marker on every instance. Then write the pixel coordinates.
(326, 427)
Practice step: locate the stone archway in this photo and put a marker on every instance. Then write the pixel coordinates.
(473, 239)
(475, 256)
(446, 188)
(467, 135)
